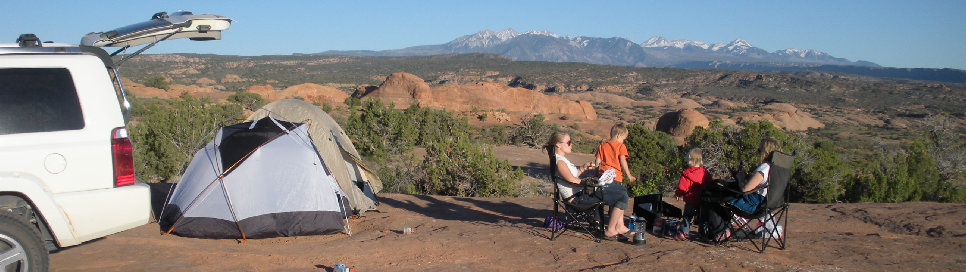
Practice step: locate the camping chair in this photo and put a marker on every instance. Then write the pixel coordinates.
(762, 226)
(574, 215)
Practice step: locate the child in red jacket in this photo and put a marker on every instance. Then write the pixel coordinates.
(690, 186)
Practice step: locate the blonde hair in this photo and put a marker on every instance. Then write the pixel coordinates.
(556, 137)
(767, 147)
(618, 129)
(694, 157)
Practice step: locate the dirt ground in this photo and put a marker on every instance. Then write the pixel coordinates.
(487, 234)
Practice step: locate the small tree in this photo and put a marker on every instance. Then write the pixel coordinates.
(819, 174)
(157, 82)
(379, 131)
(352, 102)
(247, 100)
(654, 157)
(459, 168)
(533, 131)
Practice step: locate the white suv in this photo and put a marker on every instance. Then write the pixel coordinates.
(66, 166)
(66, 163)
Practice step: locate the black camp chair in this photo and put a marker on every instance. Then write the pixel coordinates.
(585, 216)
(751, 226)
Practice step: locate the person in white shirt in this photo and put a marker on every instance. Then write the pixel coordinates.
(613, 194)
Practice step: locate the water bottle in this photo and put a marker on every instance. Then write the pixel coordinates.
(632, 224)
(339, 267)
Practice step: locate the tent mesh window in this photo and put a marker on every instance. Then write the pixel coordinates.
(238, 140)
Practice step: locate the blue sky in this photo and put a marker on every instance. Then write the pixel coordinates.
(909, 34)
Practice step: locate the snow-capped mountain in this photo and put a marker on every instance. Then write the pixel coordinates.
(483, 39)
(661, 42)
(655, 52)
(801, 53)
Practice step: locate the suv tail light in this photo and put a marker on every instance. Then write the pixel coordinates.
(123, 157)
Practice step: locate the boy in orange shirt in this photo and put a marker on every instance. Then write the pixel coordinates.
(613, 154)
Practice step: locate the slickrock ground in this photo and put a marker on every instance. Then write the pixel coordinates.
(488, 234)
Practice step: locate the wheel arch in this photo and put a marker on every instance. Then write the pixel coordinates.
(39, 208)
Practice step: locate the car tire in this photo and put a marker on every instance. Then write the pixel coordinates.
(21, 248)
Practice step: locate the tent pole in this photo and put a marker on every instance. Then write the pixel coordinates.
(192, 204)
(345, 214)
(231, 208)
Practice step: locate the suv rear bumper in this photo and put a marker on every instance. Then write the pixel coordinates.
(98, 213)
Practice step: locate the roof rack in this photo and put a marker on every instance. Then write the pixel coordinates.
(29, 40)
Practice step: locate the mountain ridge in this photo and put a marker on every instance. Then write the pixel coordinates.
(655, 52)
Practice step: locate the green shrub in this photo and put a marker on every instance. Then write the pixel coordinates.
(352, 102)
(717, 149)
(453, 164)
(496, 134)
(819, 175)
(885, 179)
(460, 168)
(166, 135)
(654, 158)
(379, 131)
(533, 132)
(398, 175)
(247, 100)
(157, 82)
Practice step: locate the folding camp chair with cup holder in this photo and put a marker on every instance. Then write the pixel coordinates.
(770, 221)
(566, 214)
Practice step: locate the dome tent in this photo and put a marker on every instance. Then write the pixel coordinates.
(336, 149)
(256, 179)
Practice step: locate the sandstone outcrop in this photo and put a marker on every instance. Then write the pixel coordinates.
(205, 81)
(783, 115)
(174, 91)
(311, 92)
(722, 104)
(232, 78)
(680, 124)
(404, 89)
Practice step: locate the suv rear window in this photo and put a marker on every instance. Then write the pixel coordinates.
(38, 100)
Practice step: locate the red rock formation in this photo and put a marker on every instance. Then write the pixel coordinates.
(311, 92)
(174, 91)
(680, 124)
(266, 91)
(404, 89)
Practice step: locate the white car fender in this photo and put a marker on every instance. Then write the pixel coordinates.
(40, 197)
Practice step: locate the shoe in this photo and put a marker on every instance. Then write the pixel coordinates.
(723, 237)
(681, 236)
(616, 237)
(777, 233)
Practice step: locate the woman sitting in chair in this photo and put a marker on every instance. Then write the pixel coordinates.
(753, 193)
(613, 194)
(757, 186)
